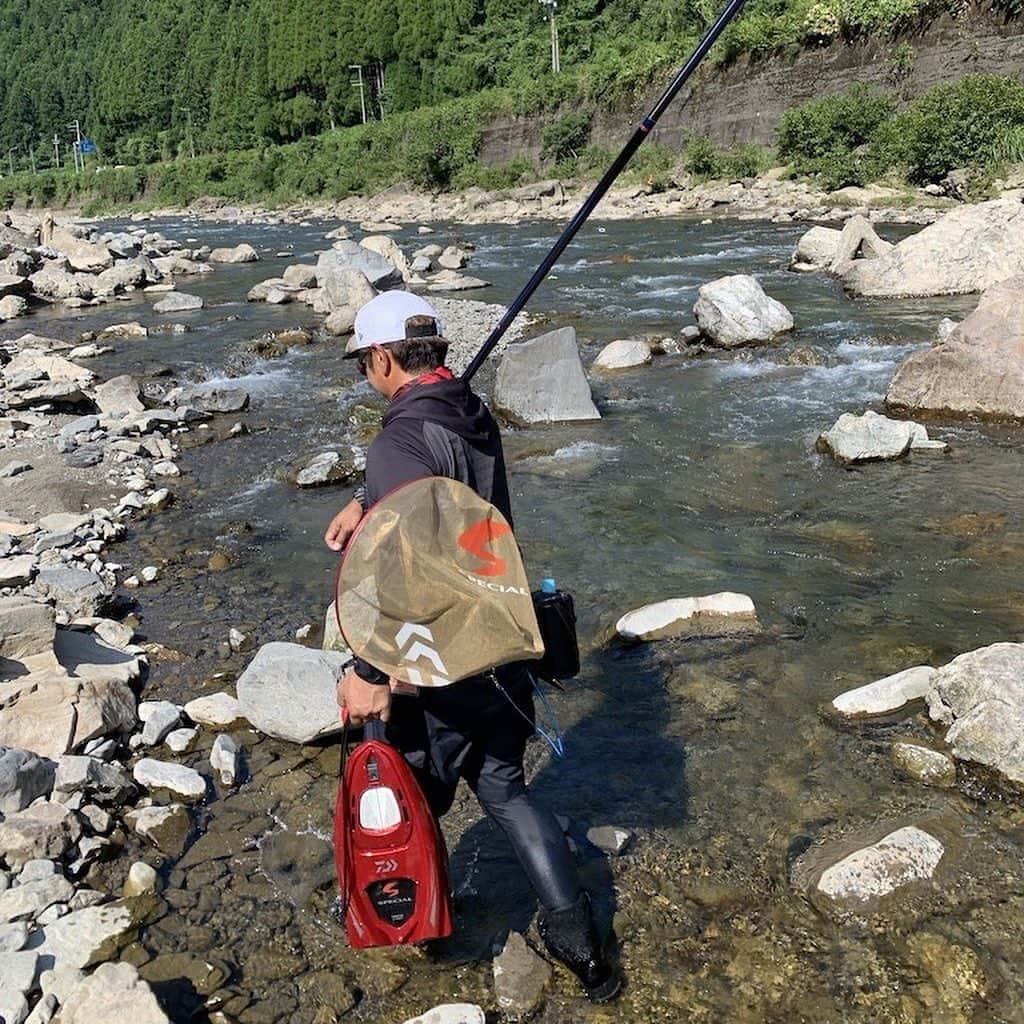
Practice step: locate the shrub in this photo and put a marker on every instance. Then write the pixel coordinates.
(700, 158)
(958, 124)
(565, 138)
(745, 160)
(832, 125)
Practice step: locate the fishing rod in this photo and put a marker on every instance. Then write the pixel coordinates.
(643, 129)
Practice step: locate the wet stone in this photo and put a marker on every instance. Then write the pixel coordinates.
(931, 767)
(520, 978)
(298, 865)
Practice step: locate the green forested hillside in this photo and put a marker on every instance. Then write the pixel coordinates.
(150, 79)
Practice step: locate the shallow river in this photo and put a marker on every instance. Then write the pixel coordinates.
(700, 477)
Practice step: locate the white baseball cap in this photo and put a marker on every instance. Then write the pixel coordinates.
(385, 319)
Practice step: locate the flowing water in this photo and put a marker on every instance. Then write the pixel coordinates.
(700, 477)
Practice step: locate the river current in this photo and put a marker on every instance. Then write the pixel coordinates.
(700, 477)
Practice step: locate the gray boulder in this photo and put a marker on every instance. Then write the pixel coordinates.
(735, 311)
(123, 275)
(84, 256)
(122, 245)
(98, 781)
(816, 250)
(24, 777)
(968, 250)
(289, 692)
(12, 306)
(980, 696)
(328, 468)
(27, 628)
(213, 399)
(243, 253)
(54, 282)
(43, 831)
(119, 396)
(542, 381)
(78, 592)
(857, 240)
(871, 438)
(334, 265)
(624, 354)
(90, 936)
(977, 370)
(178, 302)
(14, 284)
(520, 978)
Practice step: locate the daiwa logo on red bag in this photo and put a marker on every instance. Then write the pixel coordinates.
(476, 538)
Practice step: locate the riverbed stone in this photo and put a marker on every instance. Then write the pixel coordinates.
(289, 692)
(184, 782)
(210, 398)
(14, 1007)
(27, 628)
(857, 240)
(46, 830)
(162, 716)
(520, 978)
(735, 311)
(77, 592)
(816, 250)
(345, 270)
(178, 302)
(180, 741)
(29, 899)
(924, 764)
(328, 468)
(12, 306)
(451, 1013)
(114, 992)
(333, 639)
(216, 711)
(241, 253)
(624, 354)
(119, 396)
(13, 936)
(610, 838)
(888, 695)
(88, 257)
(167, 828)
(101, 782)
(906, 855)
(976, 370)
(85, 656)
(872, 437)
(967, 250)
(453, 281)
(24, 777)
(224, 759)
(18, 972)
(711, 615)
(542, 381)
(142, 880)
(980, 696)
(18, 570)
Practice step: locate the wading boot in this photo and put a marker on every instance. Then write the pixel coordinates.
(571, 938)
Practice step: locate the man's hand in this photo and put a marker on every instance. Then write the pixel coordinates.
(342, 525)
(364, 700)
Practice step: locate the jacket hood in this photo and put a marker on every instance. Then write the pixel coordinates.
(449, 403)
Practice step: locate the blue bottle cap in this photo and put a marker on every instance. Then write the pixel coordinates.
(547, 585)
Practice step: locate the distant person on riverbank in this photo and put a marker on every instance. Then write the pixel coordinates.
(436, 426)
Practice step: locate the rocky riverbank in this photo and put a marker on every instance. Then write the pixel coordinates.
(186, 834)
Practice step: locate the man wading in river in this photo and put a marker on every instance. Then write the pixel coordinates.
(436, 426)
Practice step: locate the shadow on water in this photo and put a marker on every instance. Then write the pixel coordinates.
(620, 769)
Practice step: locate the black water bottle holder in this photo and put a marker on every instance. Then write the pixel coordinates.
(556, 616)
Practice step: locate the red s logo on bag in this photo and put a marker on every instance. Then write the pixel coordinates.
(476, 538)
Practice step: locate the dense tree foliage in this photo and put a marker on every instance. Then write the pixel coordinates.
(151, 80)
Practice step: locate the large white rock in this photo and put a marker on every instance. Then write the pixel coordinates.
(290, 692)
(542, 381)
(976, 370)
(682, 616)
(884, 696)
(857, 240)
(906, 855)
(112, 993)
(623, 354)
(216, 711)
(243, 253)
(386, 246)
(29, 899)
(735, 311)
(42, 831)
(27, 628)
(182, 781)
(980, 695)
(224, 759)
(871, 437)
(342, 273)
(816, 249)
(178, 302)
(967, 250)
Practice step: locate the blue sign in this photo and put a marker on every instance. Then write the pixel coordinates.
(87, 146)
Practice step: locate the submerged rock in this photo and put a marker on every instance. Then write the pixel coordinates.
(451, 1013)
(520, 978)
(816, 250)
(185, 783)
(542, 381)
(167, 828)
(735, 311)
(967, 250)
(873, 438)
(906, 855)
(884, 696)
(243, 253)
(977, 369)
(329, 468)
(980, 696)
(178, 302)
(114, 992)
(712, 615)
(931, 767)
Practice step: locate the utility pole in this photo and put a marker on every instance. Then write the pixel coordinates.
(79, 158)
(187, 111)
(379, 73)
(56, 150)
(556, 55)
(358, 84)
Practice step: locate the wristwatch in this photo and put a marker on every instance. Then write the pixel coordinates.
(366, 671)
